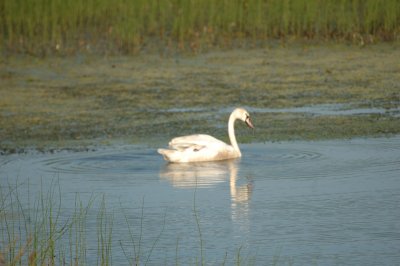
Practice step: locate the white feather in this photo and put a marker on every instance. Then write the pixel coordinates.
(200, 147)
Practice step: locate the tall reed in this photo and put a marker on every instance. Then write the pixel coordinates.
(42, 26)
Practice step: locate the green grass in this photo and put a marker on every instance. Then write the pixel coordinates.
(35, 230)
(41, 27)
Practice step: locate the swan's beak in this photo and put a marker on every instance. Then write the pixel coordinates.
(249, 123)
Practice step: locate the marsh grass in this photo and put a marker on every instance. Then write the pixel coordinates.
(41, 27)
(104, 235)
(196, 216)
(40, 234)
(36, 231)
(138, 257)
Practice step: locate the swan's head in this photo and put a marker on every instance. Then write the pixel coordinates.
(243, 115)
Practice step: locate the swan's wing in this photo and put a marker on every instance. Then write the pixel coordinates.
(197, 148)
(186, 146)
(199, 139)
(196, 142)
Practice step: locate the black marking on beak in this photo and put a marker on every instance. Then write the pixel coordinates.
(248, 122)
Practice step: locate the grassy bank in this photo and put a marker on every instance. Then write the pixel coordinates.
(41, 27)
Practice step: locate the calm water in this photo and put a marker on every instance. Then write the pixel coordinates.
(326, 202)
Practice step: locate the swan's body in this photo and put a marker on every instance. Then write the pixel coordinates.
(201, 148)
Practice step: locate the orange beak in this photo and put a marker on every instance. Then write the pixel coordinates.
(249, 123)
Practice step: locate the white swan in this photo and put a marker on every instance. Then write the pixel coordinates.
(201, 148)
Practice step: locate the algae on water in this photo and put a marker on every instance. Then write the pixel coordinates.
(78, 102)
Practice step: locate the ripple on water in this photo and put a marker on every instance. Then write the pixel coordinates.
(104, 162)
(299, 156)
(325, 195)
(5, 160)
(326, 158)
(282, 155)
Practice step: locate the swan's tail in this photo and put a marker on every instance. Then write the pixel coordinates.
(167, 154)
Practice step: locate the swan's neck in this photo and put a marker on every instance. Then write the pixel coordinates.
(232, 137)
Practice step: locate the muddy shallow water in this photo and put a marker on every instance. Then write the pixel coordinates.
(301, 202)
(301, 91)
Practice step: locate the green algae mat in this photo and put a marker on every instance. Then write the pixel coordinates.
(294, 92)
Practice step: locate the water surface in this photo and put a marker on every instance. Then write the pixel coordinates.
(301, 203)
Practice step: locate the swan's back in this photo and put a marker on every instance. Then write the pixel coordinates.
(197, 139)
(197, 148)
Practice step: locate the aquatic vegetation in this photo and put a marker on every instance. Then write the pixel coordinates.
(35, 230)
(80, 103)
(41, 27)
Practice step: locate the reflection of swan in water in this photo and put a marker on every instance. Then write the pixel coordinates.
(207, 174)
(239, 194)
(240, 197)
(202, 174)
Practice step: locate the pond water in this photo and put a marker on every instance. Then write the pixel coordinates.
(301, 203)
